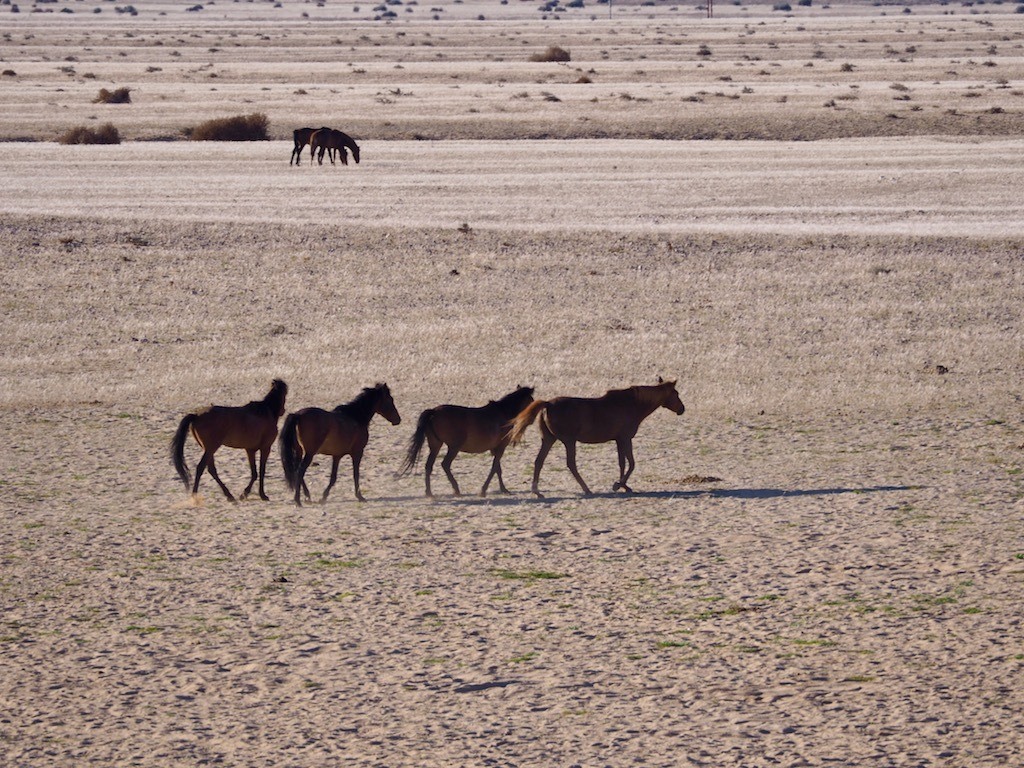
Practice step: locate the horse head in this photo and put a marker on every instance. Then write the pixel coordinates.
(670, 397)
(386, 405)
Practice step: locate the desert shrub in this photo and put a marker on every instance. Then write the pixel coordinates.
(117, 96)
(105, 134)
(782, 7)
(239, 128)
(10, 73)
(553, 53)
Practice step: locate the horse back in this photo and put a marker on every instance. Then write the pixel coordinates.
(329, 432)
(588, 419)
(474, 430)
(235, 427)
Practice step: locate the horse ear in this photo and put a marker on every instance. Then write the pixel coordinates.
(661, 380)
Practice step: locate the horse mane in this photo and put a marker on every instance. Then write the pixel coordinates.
(512, 398)
(640, 393)
(273, 402)
(362, 405)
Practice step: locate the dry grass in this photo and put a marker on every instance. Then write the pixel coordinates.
(104, 134)
(239, 128)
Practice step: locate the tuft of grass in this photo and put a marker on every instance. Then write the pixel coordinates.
(105, 134)
(553, 53)
(116, 96)
(239, 128)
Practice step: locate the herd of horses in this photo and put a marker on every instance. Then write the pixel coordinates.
(344, 431)
(323, 140)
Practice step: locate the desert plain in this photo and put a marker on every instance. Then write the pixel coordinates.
(809, 216)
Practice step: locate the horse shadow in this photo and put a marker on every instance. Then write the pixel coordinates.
(517, 498)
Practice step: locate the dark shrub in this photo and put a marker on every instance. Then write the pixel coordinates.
(105, 134)
(553, 53)
(117, 96)
(239, 128)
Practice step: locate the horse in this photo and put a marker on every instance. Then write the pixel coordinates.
(301, 137)
(252, 427)
(473, 430)
(616, 415)
(343, 431)
(327, 139)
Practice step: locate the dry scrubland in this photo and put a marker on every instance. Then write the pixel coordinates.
(843, 317)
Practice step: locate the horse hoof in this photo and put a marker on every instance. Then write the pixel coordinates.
(264, 497)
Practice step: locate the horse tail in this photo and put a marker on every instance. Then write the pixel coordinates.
(178, 449)
(418, 438)
(289, 446)
(526, 417)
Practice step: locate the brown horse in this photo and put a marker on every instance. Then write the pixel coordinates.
(473, 430)
(301, 137)
(327, 139)
(616, 415)
(252, 427)
(343, 431)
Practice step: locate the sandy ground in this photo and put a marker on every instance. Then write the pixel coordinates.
(823, 560)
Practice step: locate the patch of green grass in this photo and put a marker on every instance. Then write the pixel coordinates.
(819, 642)
(143, 630)
(673, 644)
(859, 679)
(529, 656)
(528, 576)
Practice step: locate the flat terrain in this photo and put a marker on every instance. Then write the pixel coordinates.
(823, 561)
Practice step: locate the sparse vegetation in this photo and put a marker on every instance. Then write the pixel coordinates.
(552, 53)
(240, 128)
(116, 96)
(104, 134)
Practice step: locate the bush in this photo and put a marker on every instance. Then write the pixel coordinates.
(240, 128)
(105, 134)
(117, 96)
(553, 53)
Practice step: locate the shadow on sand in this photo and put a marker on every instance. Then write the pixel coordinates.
(525, 497)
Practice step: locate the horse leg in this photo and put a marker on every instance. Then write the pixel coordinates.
(625, 456)
(495, 470)
(570, 461)
(429, 466)
(546, 441)
(200, 467)
(300, 478)
(264, 455)
(357, 456)
(334, 477)
(446, 465)
(212, 469)
(251, 454)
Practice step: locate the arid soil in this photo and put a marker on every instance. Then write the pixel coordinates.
(823, 560)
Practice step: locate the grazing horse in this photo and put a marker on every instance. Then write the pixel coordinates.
(252, 427)
(327, 139)
(473, 430)
(616, 415)
(345, 430)
(301, 137)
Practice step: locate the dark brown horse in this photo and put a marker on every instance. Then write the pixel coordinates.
(252, 427)
(616, 415)
(327, 139)
(301, 137)
(343, 431)
(473, 430)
